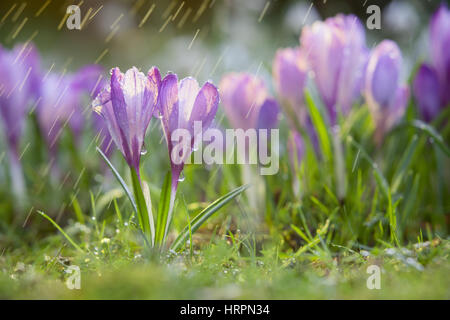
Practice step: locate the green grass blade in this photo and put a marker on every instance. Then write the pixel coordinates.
(119, 178)
(77, 209)
(320, 126)
(60, 230)
(163, 209)
(205, 215)
(404, 163)
(379, 177)
(142, 211)
(418, 124)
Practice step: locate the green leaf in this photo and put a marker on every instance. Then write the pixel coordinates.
(119, 178)
(77, 209)
(163, 209)
(60, 230)
(205, 215)
(320, 126)
(142, 210)
(418, 124)
(379, 177)
(404, 163)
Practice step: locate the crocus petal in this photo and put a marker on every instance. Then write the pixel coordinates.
(127, 106)
(296, 148)
(337, 55)
(439, 44)
(268, 115)
(290, 75)
(426, 91)
(19, 85)
(242, 95)
(168, 103)
(205, 105)
(382, 76)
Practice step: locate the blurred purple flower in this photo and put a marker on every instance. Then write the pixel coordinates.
(337, 55)
(127, 105)
(19, 79)
(290, 74)
(296, 148)
(431, 85)
(385, 96)
(181, 104)
(247, 102)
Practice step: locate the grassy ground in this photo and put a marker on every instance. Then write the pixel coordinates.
(220, 271)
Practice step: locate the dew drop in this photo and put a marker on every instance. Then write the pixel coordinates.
(181, 178)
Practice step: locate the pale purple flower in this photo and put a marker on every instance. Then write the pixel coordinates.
(385, 95)
(247, 102)
(431, 85)
(427, 91)
(19, 79)
(296, 148)
(181, 103)
(337, 55)
(127, 105)
(290, 74)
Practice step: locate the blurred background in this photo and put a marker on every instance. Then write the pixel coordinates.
(202, 38)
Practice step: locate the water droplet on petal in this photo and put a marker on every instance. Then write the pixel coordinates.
(181, 178)
(143, 150)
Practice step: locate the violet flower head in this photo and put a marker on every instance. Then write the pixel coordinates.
(183, 104)
(247, 102)
(19, 85)
(385, 96)
(431, 85)
(296, 148)
(337, 55)
(290, 72)
(127, 105)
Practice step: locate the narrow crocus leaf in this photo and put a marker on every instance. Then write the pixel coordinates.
(204, 215)
(404, 163)
(141, 204)
(418, 124)
(320, 126)
(379, 177)
(120, 179)
(61, 230)
(163, 209)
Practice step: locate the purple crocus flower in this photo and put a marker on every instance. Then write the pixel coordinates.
(247, 102)
(127, 105)
(184, 105)
(337, 55)
(86, 82)
(19, 78)
(181, 104)
(290, 74)
(431, 85)
(296, 148)
(385, 96)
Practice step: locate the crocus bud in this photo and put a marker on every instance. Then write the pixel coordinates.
(432, 82)
(247, 102)
(127, 105)
(337, 55)
(427, 91)
(19, 86)
(181, 105)
(385, 96)
(440, 49)
(290, 73)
